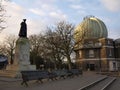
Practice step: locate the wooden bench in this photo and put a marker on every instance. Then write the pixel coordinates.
(35, 75)
(76, 72)
(61, 73)
(39, 75)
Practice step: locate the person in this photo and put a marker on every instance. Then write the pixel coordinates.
(23, 29)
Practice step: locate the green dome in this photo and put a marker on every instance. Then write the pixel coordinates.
(91, 27)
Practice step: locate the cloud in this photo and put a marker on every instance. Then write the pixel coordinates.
(38, 17)
(76, 6)
(112, 5)
(50, 13)
(37, 11)
(35, 26)
(58, 15)
(14, 10)
(40, 2)
(15, 13)
(73, 1)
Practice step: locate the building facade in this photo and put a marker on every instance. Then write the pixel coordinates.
(94, 50)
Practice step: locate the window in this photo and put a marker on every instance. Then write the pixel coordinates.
(80, 54)
(108, 42)
(91, 53)
(90, 42)
(110, 52)
(98, 44)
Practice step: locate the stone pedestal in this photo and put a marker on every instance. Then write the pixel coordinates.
(22, 57)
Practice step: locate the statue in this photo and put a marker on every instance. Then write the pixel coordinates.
(23, 29)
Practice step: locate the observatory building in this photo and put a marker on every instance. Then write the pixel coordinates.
(94, 50)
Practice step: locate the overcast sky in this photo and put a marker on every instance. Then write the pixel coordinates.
(42, 13)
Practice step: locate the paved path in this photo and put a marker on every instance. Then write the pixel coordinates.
(61, 84)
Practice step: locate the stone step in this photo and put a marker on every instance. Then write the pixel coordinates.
(8, 73)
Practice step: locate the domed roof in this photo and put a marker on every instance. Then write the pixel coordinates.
(91, 27)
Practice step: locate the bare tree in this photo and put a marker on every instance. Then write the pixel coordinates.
(65, 31)
(56, 44)
(79, 36)
(53, 43)
(37, 49)
(10, 44)
(2, 15)
(3, 50)
(34, 41)
(47, 47)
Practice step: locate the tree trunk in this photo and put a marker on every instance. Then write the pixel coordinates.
(69, 62)
(11, 57)
(55, 66)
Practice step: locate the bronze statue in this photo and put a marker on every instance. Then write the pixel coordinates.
(23, 29)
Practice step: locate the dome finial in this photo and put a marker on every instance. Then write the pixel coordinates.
(89, 16)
